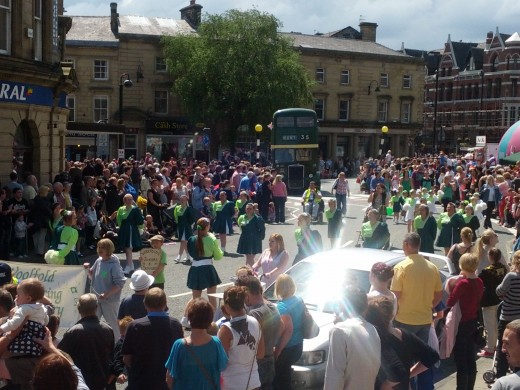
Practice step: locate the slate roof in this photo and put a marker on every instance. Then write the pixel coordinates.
(91, 31)
(95, 30)
(460, 52)
(347, 33)
(321, 42)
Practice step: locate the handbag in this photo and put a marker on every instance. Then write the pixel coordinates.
(310, 328)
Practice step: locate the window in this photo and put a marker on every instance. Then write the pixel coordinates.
(383, 80)
(71, 105)
(344, 108)
(382, 111)
(160, 64)
(407, 81)
(5, 26)
(514, 87)
(344, 77)
(489, 87)
(319, 107)
(514, 65)
(161, 102)
(498, 88)
(101, 108)
(495, 64)
(100, 70)
(406, 112)
(320, 75)
(37, 33)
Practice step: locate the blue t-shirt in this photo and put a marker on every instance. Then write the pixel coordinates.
(185, 368)
(293, 306)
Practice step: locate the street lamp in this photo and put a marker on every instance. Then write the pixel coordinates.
(258, 129)
(127, 84)
(384, 130)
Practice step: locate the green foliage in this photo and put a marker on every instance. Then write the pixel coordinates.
(237, 70)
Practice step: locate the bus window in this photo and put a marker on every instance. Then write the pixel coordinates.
(305, 121)
(285, 121)
(283, 156)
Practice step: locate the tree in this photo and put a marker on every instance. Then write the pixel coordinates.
(237, 70)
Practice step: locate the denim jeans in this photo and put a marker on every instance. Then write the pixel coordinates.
(279, 208)
(424, 381)
(289, 356)
(266, 372)
(341, 203)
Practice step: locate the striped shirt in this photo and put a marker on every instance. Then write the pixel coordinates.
(509, 290)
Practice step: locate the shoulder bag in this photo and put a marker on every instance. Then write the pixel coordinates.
(310, 328)
(201, 366)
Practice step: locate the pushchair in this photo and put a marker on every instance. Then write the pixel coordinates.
(490, 376)
(168, 221)
(315, 210)
(107, 229)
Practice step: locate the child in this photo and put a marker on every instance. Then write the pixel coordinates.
(118, 373)
(157, 242)
(334, 218)
(404, 195)
(397, 202)
(29, 310)
(90, 225)
(107, 280)
(270, 215)
(81, 221)
(149, 228)
(207, 209)
(20, 236)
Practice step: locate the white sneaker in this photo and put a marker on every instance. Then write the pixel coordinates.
(178, 258)
(187, 258)
(128, 269)
(185, 323)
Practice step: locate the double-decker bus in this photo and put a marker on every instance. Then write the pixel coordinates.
(294, 145)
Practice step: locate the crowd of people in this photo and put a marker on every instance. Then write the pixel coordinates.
(124, 205)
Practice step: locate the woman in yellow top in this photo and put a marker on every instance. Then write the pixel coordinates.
(129, 219)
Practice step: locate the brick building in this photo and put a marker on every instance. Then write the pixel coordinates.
(475, 94)
(33, 86)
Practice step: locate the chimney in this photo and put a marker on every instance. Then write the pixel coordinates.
(192, 14)
(368, 31)
(114, 18)
(489, 39)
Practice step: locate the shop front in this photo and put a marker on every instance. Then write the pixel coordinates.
(170, 138)
(91, 140)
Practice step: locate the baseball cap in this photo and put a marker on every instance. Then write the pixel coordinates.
(6, 274)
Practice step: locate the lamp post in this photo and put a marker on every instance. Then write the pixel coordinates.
(384, 130)
(258, 129)
(127, 84)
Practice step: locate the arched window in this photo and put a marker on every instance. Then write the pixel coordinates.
(495, 63)
(514, 62)
(508, 59)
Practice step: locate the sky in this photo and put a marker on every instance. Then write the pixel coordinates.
(420, 24)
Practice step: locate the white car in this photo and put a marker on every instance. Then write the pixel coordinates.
(320, 280)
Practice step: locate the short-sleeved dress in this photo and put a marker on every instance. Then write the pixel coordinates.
(185, 218)
(450, 228)
(129, 221)
(185, 370)
(203, 276)
(253, 232)
(223, 223)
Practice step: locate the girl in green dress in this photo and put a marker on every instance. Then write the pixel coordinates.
(253, 232)
(223, 211)
(184, 216)
(66, 237)
(130, 219)
(426, 226)
(450, 224)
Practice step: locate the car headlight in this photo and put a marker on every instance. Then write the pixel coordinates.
(311, 358)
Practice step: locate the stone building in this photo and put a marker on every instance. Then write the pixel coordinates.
(362, 86)
(124, 106)
(34, 82)
(476, 92)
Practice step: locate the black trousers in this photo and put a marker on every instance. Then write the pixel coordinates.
(489, 211)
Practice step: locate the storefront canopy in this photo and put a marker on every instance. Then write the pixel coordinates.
(510, 142)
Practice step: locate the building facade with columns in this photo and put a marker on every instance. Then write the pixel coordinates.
(360, 87)
(124, 106)
(34, 82)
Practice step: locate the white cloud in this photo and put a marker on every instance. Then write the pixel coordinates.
(420, 24)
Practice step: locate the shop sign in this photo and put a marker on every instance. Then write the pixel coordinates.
(168, 126)
(28, 94)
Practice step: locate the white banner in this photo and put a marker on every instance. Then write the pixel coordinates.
(64, 284)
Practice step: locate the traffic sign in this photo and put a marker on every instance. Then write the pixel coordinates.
(481, 140)
(205, 139)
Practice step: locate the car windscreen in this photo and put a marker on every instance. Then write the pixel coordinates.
(320, 287)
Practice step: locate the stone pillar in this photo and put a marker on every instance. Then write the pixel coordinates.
(333, 141)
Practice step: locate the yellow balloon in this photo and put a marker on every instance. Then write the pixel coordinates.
(258, 128)
(384, 129)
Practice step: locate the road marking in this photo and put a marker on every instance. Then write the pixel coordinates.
(189, 292)
(347, 244)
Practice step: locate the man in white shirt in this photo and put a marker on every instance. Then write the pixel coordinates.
(511, 347)
(354, 347)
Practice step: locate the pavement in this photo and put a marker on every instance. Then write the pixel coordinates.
(176, 273)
